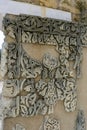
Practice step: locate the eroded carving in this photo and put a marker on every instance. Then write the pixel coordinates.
(50, 124)
(18, 127)
(11, 88)
(4, 61)
(80, 121)
(10, 60)
(13, 60)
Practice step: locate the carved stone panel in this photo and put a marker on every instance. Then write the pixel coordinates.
(34, 86)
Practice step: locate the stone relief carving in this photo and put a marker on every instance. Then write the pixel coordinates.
(18, 127)
(10, 60)
(50, 124)
(80, 121)
(35, 86)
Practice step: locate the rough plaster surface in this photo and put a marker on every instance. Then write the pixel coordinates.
(67, 120)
